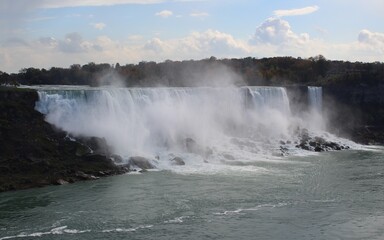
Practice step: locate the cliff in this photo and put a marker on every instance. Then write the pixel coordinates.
(34, 154)
(356, 111)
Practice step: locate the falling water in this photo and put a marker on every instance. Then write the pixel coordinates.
(315, 98)
(151, 121)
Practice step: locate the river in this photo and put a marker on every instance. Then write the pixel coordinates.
(331, 195)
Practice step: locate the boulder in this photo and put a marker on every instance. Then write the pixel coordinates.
(177, 161)
(141, 162)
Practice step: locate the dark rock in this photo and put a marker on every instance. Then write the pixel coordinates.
(82, 150)
(178, 161)
(141, 162)
(34, 153)
(85, 176)
(319, 140)
(116, 158)
(319, 149)
(60, 182)
(281, 142)
(96, 145)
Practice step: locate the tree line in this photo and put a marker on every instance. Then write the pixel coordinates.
(272, 71)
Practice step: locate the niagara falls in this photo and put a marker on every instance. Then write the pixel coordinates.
(191, 120)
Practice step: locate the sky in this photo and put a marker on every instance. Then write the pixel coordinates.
(59, 33)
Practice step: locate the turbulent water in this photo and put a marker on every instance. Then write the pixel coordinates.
(235, 184)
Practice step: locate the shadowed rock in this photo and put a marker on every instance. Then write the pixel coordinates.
(177, 161)
(141, 162)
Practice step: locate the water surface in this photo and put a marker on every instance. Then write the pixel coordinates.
(334, 195)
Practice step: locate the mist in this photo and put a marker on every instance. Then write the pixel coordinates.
(217, 116)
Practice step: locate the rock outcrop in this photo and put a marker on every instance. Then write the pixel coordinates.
(34, 154)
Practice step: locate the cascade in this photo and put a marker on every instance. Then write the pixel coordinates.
(148, 121)
(315, 99)
(243, 123)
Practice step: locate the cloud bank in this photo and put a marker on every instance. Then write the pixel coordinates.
(273, 37)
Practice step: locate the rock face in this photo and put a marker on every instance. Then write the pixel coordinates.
(34, 154)
(356, 111)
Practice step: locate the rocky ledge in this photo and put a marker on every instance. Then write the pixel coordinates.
(317, 144)
(34, 154)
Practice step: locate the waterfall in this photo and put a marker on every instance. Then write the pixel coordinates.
(315, 99)
(148, 121)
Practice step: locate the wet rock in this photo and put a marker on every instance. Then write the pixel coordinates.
(319, 140)
(97, 145)
(60, 182)
(83, 176)
(333, 145)
(82, 150)
(319, 149)
(116, 158)
(317, 144)
(178, 161)
(141, 162)
(284, 150)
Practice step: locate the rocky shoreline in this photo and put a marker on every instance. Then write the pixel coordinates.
(34, 154)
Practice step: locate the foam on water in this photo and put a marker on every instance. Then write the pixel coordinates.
(55, 231)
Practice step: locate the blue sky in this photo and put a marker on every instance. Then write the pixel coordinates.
(46, 33)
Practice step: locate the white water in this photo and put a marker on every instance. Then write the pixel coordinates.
(315, 98)
(245, 123)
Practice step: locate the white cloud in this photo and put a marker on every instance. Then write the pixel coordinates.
(277, 31)
(164, 13)
(372, 38)
(99, 26)
(296, 12)
(74, 43)
(199, 14)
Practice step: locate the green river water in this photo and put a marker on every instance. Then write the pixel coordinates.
(333, 195)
